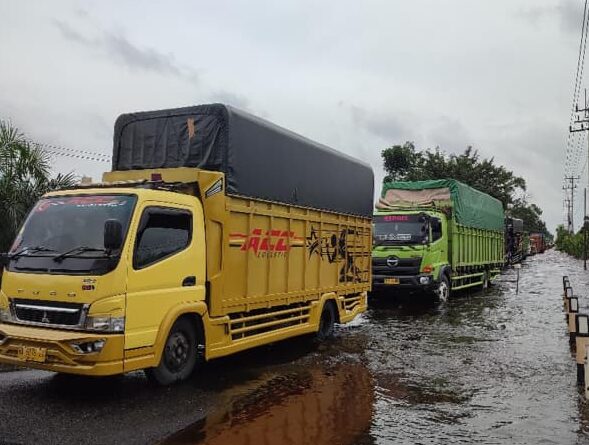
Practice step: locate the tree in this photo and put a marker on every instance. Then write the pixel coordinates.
(530, 214)
(405, 163)
(25, 175)
(398, 160)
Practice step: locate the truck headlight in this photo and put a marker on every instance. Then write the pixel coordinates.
(5, 314)
(425, 279)
(105, 323)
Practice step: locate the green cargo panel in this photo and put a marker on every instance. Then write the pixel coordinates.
(471, 207)
(472, 247)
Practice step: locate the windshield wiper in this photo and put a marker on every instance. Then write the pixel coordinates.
(77, 251)
(25, 250)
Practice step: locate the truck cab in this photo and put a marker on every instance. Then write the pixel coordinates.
(410, 252)
(102, 268)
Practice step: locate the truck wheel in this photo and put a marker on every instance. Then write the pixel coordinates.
(327, 322)
(442, 293)
(180, 355)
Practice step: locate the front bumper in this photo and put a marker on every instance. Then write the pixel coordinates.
(61, 356)
(410, 283)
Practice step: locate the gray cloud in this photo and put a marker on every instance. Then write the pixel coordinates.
(430, 131)
(568, 12)
(135, 57)
(448, 133)
(571, 15)
(118, 47)
(496, 75)
(229, 98)
(387, 126)
(71, 34)
(535, 14)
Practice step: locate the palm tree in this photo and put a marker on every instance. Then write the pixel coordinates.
(25, 175)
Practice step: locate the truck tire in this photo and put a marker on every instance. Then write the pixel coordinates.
(442, 292)
(179, 357)
(326, 322)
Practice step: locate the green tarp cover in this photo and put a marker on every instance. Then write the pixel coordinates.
(471, 207)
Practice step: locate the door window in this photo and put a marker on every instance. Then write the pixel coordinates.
(436, 225)
(162, 233)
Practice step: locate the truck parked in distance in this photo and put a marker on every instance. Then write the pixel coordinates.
(215, 232)
(537, 243)
(435, 236)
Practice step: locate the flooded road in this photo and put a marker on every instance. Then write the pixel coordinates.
(487, 367)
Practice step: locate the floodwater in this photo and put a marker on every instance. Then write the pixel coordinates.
(488, 367)
(491, 367)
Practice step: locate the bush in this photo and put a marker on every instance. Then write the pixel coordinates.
(571, 243)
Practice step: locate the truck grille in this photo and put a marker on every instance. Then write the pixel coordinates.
(404, 266)
(48, 313)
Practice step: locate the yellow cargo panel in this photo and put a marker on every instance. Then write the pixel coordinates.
(263, 254)
(275, 254)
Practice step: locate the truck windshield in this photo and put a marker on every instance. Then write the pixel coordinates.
(399, 229)
(72, 224)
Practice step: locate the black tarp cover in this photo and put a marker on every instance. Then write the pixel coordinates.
(259, 159)
(517, 225)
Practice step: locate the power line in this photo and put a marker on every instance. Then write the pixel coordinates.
(571, 152)
(580, 67)
(59, 147)
(72, 153)
(83, 157)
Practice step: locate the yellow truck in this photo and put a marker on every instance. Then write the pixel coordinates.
(215, 232)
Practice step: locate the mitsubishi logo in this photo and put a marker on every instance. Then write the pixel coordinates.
(392, 261)
(45, 319)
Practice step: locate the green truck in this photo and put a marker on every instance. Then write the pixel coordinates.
(432, 237)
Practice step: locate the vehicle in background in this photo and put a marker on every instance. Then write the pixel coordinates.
(435, 236)
(215, 232)
(537, 243)
(516, 241)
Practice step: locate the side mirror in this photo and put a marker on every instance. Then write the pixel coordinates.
(4, 260)
(113, 234)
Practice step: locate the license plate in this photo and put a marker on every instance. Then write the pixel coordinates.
(391, 281)
(32, 354)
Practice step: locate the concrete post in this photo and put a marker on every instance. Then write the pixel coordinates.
(573, 309)
(581, 343)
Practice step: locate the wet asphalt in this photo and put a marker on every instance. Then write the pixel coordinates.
(490, 366)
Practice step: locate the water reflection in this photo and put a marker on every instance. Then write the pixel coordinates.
(332, 405)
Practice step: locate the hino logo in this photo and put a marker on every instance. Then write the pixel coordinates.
(392, 261)
(45, 319)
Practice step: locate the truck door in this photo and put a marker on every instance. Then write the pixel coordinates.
(166, 268)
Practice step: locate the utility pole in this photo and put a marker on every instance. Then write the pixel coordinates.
(583, 125)
(571, 202)
(567, 203)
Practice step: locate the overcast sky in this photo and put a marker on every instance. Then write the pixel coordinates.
(356, 75)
